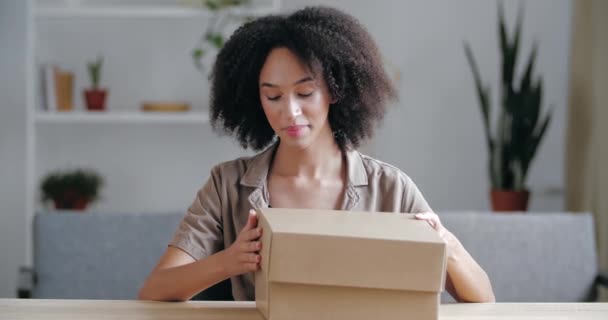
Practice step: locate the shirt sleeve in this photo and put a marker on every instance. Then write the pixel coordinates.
(412, 200)
(200, 232)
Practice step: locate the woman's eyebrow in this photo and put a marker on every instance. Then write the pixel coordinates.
(305, 79)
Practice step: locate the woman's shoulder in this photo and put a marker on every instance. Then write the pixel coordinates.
(388, 179)
(248, 170)
(235, 165)
(233, 168)
(376, 169)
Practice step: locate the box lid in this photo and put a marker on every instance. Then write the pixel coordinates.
(356, 249)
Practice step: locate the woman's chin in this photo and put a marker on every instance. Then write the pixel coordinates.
(299, 142)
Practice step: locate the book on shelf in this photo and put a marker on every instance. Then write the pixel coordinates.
(48, 100)
(56, 88)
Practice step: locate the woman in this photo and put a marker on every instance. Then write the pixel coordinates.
(306, 89)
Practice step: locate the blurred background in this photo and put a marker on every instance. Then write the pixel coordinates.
(144, 144)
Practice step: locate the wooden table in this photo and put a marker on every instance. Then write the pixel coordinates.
(18, 309)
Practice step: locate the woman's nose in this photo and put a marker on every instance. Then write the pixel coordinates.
(293, 108)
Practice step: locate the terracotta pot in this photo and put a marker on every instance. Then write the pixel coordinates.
(508, 200)
(71, 201)
(95, 99)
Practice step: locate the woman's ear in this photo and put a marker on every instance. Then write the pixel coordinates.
(333, 97)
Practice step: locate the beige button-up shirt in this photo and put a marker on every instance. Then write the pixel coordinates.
(220, 208)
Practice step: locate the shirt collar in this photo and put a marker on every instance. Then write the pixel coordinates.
(256, 176)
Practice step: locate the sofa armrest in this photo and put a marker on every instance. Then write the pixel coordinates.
(27, 281)
(602, 280)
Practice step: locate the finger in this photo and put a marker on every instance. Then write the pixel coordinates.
(435, 220)
(428, 217)
(251, 246)
(252, 267)
(422, 216)
(252, 220)
(249, 235)
(251, 258)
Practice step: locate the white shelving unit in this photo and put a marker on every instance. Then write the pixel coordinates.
(143, 12)
(123, 11)
(120, 117)
(73, 12)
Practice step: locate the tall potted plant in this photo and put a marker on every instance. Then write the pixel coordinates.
(95, 96)
(514, 140)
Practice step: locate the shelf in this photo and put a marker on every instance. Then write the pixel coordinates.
(191, 117)
(141, 12)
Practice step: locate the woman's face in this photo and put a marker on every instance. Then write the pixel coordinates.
(296, 103)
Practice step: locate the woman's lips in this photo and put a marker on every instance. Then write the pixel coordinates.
(295, 131)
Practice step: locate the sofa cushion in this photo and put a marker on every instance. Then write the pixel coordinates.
(530, 257)
(544, 257)
(97, 256)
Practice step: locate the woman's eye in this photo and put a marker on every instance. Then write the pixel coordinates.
(275, 98)
(304, 95)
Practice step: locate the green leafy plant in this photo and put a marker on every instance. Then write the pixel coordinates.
(69, 187)
(213, 38)
(514, 141)
(222, 4)
(94, 69)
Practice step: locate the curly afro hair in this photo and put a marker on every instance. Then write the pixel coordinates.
(324, 39)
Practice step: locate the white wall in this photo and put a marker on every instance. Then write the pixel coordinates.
(12, 142)
(435, 131)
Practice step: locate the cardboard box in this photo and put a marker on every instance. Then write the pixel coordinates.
(336, 265)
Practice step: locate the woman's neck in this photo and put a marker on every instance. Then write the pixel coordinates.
(321, 160)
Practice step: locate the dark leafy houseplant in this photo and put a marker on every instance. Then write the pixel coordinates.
(514, 141)
(71, 189)
(213, 38)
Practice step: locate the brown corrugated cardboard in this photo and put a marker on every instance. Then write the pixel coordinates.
(319, 264)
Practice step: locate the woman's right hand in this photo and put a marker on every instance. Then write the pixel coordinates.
(243, 255)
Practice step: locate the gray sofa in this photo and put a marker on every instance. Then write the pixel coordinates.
(548, 257)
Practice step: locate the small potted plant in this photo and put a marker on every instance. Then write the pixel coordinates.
(95, 96)
(71, 189)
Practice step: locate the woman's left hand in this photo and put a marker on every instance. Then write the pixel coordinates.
(466, 280)
(433, 219)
